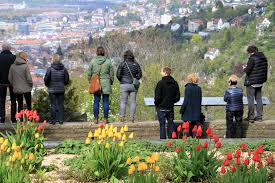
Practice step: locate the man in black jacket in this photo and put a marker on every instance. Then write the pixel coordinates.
(256, 75)
(55, 79)
(6, 60)
(166, 95)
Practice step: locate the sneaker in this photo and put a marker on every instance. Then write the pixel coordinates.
(249, 120)
(3, 122)
(61, 123)
(52, 123)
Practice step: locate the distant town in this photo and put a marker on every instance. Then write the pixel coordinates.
(42, 29)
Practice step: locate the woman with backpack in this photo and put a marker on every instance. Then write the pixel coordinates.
(101, 67)
(128, 73)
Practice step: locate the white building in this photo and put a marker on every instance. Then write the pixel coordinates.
(212, 53)
(165, 19)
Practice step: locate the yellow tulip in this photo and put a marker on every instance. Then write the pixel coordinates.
(131, 135)
(142, 167)
(26, 156)
(123, 137)
(99, 142)
(108, 145)
(17, 148)
(155, 157)
(111, 135)
(126, 128)
(30, 167)
(13, 159)
(1, 140)
(157, 169)
(8, 150)
(36, 135)
(115, 130)
(118, 135)
(131, 169)
(129, 161)
(99, 130)
(90, 134)
(111, 127)
(106, 127)
(22, 144)
(10, 158)
(88, 141)
(22, 161)
(96, 134)
(121, 144)
(16, 155)
(122, 130)
(13, 146)
(36, 146)
(31, 156)
(6, 142)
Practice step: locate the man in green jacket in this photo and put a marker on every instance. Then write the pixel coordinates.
(103, 66)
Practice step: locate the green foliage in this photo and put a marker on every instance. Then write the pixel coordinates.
(146, 178)
(196, 38)
(195, 165)
(245, 175)
(12, 174)
(70, 147)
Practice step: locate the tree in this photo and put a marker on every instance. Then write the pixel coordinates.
(196, 38)
(59, 51)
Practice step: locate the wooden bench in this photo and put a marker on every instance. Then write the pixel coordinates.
(206, 101)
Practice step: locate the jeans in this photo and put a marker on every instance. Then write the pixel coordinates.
(3, 95)
(97, 98)
(231, 129)
(164, 115)
(254, 93)
(28, 99)
(57, 107)
(125, 91)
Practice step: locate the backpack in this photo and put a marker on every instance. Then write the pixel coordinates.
(95, 85)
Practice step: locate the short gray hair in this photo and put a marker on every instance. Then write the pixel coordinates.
(6, 46)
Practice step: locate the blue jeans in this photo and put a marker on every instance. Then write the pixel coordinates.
(97, 98)
(163, 115)
(57, 106)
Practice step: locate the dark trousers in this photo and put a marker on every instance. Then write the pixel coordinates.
(3, 95)
(97, 98)
(28, 99)
(234, 130)
(163, 115)
(57, 107)
(254, 93)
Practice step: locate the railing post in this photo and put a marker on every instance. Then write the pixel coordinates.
(206, 113)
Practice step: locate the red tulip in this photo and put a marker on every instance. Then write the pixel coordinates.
(233, 169)
(238, 153)
(198, 147)
(261, 149)
(178, 149)
(209, 132)
(30, 117)
(243, 147)
(238, 161)
(186, 125)
(169, 144)
(205, 145)
(37, 118)
(223, 170)
(256, 156)
(18, 115)
(184, 137)
(199, 131)
(40, 128)
(218, 145)
(246, 162)
(194, 130)
(174, 135)
(179, 129)
(229, 156)
(216, 138)
(44, 122)
(270, 160)
(101, 125)
(226, 162)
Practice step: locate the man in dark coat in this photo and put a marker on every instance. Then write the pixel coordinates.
(191, 107)
(166, 95)
(256, 75)
(6, 60)
(55, 79)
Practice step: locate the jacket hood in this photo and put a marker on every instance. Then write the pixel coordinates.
(194, 84)
(6, 52)
(19, 61)
(259, 55)
(57, 66)
(169, 80)
(100, 59)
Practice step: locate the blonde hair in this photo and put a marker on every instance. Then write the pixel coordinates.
(233, 78)
(22, 55)
(56, 58)
(193, 78)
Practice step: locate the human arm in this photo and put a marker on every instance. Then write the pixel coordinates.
(112, 74)
(47, 77)
(119, 72)
(139, 74)
(66, 77)
(90, 71)
(177, 96)
(225, 98)
(158, 94)
(28, 76)
(186, 100)
(250, 64)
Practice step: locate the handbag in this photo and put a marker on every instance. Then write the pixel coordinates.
(136, 82)
(95, 85)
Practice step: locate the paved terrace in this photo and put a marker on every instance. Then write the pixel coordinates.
(146, 130)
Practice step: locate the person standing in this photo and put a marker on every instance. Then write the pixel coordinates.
(56, 79)
(256, 74)
(103, 66)
(234, 108)
(191, 107)
(126, 72)
(166, 95)
(6, 60)
(21, 80)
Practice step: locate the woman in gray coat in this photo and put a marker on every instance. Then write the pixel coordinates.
(21, 80)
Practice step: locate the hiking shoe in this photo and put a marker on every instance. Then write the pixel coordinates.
(52, 123)
(258, 119)
(61, 123)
